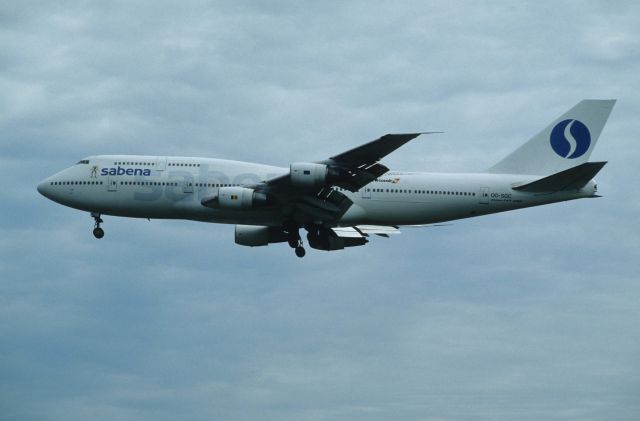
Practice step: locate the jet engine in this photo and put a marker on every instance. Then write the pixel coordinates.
(240, 198)
(309, 174)
(306, 174)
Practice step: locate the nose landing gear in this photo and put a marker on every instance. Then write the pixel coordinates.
(300, 251)
(97, 231)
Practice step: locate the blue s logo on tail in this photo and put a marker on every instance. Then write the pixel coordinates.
(570, 139)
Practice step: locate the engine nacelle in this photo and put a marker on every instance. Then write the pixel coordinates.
(240, 198)
(256, 235)
(307, 174)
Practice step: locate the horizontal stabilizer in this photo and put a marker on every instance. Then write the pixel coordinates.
(571, 179)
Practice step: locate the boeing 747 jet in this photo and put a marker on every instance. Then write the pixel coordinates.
(340, 201)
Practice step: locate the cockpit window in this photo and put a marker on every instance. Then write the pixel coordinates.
(84, 161)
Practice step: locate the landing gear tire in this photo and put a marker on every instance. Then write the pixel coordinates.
(97, 231)
(294, 240)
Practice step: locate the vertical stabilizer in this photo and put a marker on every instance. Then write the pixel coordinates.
(565, 143)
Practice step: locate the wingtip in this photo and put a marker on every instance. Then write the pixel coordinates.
(416, 134)
(411, 134)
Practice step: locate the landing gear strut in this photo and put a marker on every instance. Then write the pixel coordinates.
(295, 242)
(97, 231)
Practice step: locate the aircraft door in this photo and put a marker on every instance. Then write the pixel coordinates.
(112, 183)
(161, 163)
(187, 186)
(484, 195)
(366, 192)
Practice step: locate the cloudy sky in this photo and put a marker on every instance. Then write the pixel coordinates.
(526, 315)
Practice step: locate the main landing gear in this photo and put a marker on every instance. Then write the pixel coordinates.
(97, 231)
(295, 242)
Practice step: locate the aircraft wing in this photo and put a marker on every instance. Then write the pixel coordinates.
(366, 230)
(308, 189)
(359, 166)
(360, 231)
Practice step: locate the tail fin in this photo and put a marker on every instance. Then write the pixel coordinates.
(565, 143)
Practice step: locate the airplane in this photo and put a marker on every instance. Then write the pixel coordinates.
(340, 201)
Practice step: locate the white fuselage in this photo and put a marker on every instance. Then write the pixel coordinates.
(173, 187)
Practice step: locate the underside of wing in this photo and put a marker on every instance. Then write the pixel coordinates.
(311, 196)
(366, 230)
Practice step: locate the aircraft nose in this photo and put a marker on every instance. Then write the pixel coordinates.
(43, 188)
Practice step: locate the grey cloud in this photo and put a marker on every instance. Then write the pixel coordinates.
(524, 315)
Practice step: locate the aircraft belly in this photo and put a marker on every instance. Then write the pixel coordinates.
(417, 212)
(397, 213)
(258, 216)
